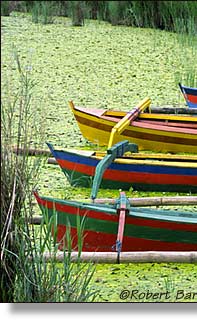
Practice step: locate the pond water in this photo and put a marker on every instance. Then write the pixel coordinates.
(101, 66)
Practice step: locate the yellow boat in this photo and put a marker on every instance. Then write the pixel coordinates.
(160, 132)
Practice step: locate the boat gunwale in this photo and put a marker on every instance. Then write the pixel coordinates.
(136, 126)
(97, 155)
(144, 115)
(162, 215)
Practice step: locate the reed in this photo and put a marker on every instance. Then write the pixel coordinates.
(17, 173)
(47, 15)
(114, 12)
(176, 16)
(76, 10)
(42, 12)
(25, 275)
(35, 12)
(169, 284)
(8, 6)
(187, 72)
(39, 280)
(5, 8)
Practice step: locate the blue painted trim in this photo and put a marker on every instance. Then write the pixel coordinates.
(191, 91)
(159, 169)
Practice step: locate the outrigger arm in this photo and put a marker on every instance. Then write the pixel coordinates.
(122, 207)
(114, 152)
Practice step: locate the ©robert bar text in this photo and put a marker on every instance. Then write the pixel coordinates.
(137, 295)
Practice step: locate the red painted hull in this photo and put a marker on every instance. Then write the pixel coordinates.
(93, 240)
(145, 229)
(177, 175)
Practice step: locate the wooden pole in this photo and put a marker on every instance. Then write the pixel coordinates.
(31, 151)
(155, 201)
(35, 152)
(52, 161)
(35, 220)
(139, 202)
(173, 110)
(129, 257)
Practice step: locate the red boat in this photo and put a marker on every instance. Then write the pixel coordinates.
(121, 227)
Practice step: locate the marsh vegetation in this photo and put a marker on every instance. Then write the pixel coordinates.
(104, 64)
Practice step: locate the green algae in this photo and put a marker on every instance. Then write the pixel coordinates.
(100, 66)
(134, 282)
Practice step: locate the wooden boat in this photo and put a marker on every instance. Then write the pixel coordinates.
(121, 227)
(159, 132)
(147, 172)
(190, 95)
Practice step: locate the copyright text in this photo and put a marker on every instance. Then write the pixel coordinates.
(138, 295)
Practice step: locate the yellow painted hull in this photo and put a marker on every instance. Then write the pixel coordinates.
(101, 138)
(97, 129)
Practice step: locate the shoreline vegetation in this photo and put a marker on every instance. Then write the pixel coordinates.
(103, 54)
(177, 16)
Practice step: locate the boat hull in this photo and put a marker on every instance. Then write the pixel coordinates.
(124, 173)
(190, 95)
(96, 127)
(145, 229)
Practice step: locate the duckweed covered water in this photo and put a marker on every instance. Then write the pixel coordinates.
(146, 282)
(101, 66)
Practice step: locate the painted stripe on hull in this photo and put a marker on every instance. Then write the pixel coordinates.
(131, 174)
(65, 159)
(102, 138)
(103, 222)
(143, 224)
(87, 166)
(104, 118)
(168, 123)
(94, 241)
(163, 129)
(192, 98)
(138, 134)
(155, 231)
(97, 130)
(78, 179)
(108, 213)
(190, 91)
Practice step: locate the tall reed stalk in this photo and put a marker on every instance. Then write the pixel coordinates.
(5, 8)
(18, 174)
(76, 11)
(25, 274)
(39, 280)
(42, 12)
(177, 16)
